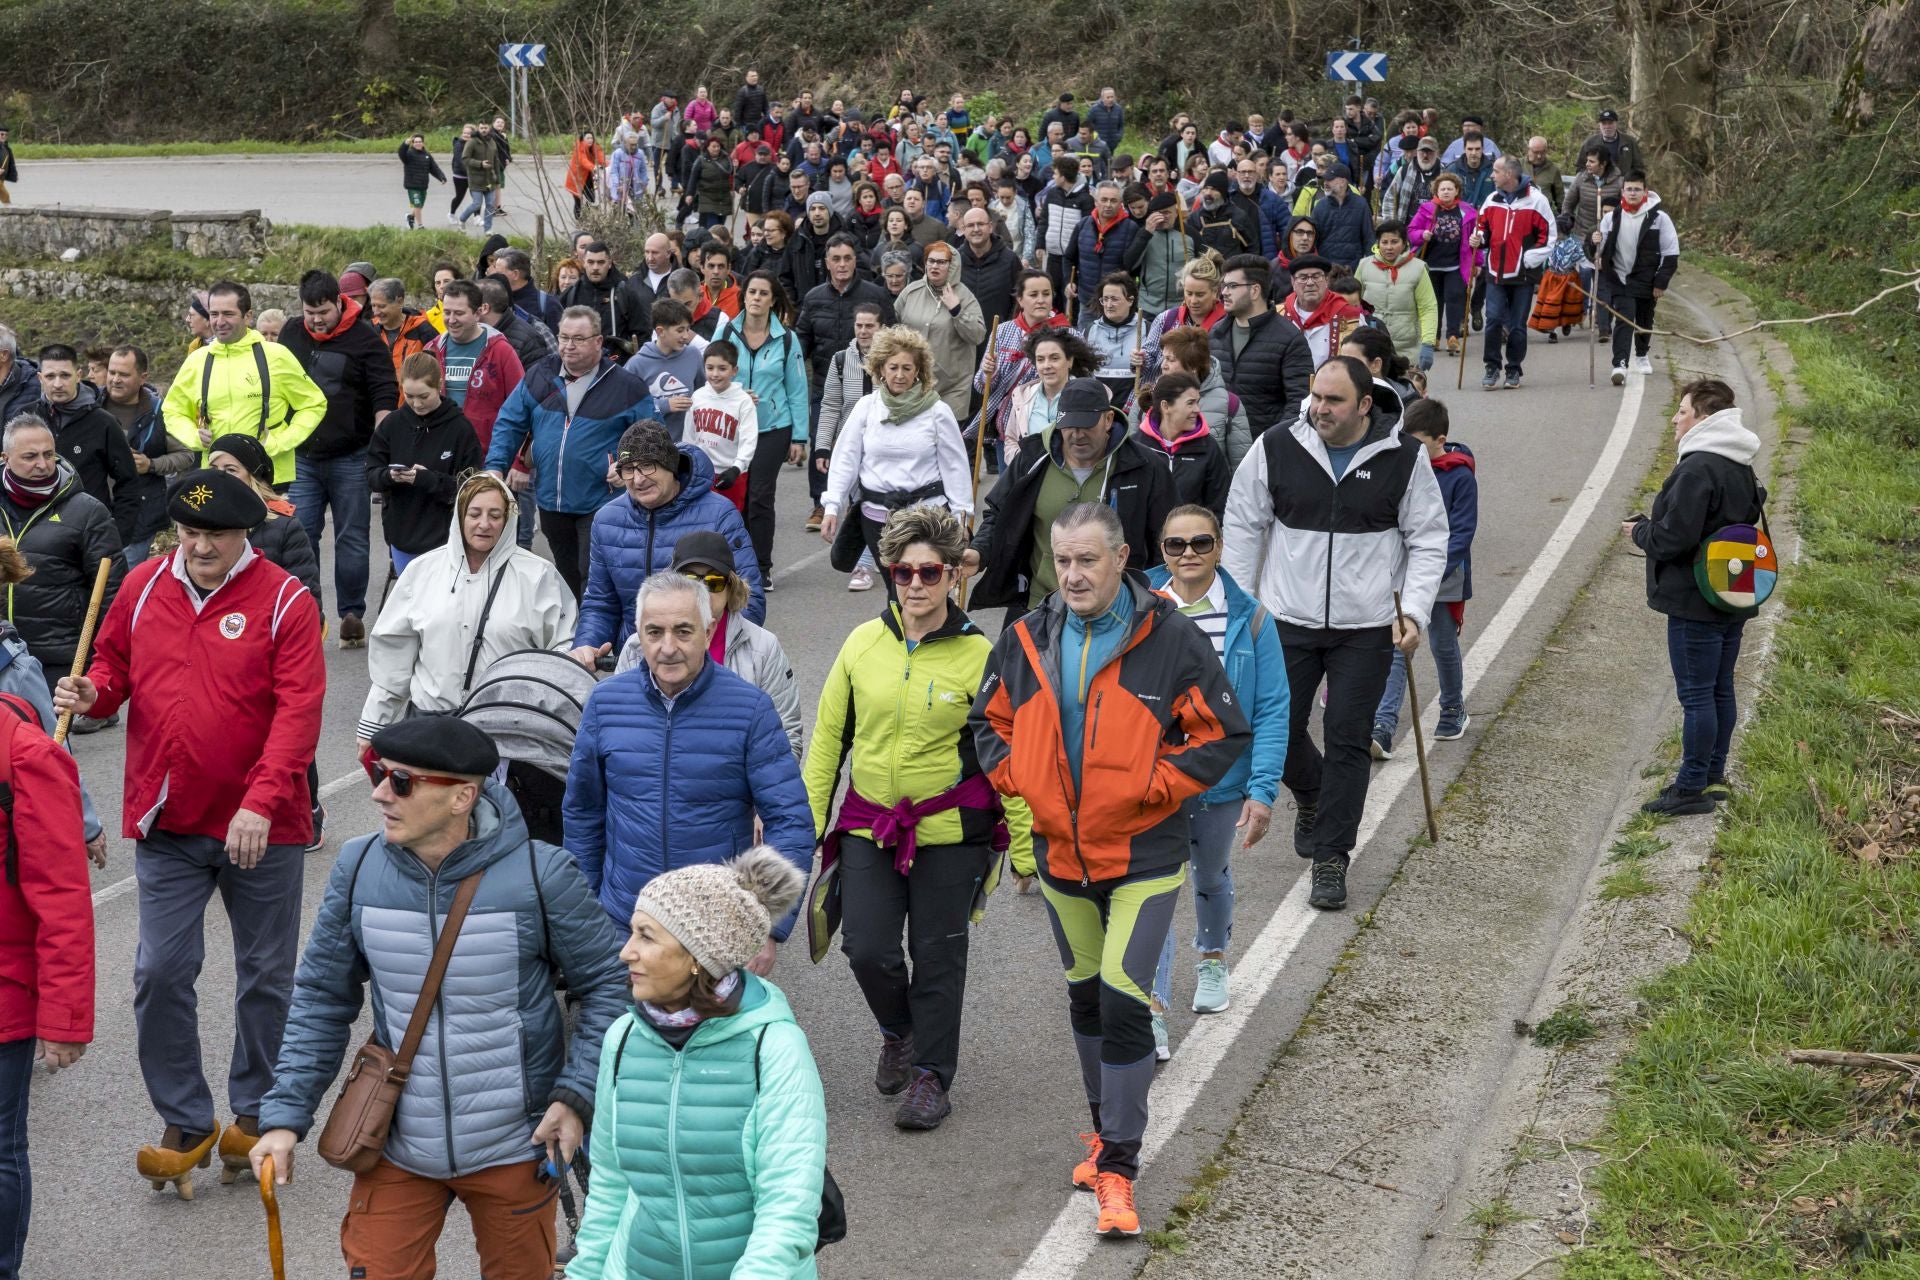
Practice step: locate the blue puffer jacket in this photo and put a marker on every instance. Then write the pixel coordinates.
(1257, 670)
(631, 542)
(652, 788)
(495, 1054)
(570, 454)
(708, 1160)
(777, 373)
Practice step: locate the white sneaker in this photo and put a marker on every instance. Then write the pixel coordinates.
(1644, 365)
(1619, 375)
(861, 579)
(1162, 1046)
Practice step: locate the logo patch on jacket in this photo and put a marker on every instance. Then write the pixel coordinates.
(233, 626)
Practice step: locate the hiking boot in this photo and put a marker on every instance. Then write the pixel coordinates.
(1329, 884)
(1513, 381)
(1619, 375)
(1210, 991)
(1380, 745)
(1644, 365)
(1675, 803)
(896, 1064)
(1451, 726)
(815, 520)
(1304, 817)
(319, 840)
(353, 632)
(87, 724)
(1491, 381)
(1479, 321)
(1118, 1219)
(861, 579)
(1085, 1173)
(925, 1105)
(1162, 1046)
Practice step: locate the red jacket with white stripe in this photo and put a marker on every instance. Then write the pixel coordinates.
(46, 907)
(1519, 228)
(226, 696)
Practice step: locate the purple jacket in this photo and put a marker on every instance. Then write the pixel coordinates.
(1422, 222)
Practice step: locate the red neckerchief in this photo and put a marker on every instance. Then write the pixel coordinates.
(1330, 309)
(1100, 229)
(1634, 207)
(349, 312)
(1391, 268)
(1300, 156)
(1182, 316)
(1057, 320)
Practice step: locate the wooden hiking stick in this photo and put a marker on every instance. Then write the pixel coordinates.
(1139, 321)
(980, 436)
(1419, 738)
(1593, 301)
(276, 1246)
(1466, 329)
(65, 723)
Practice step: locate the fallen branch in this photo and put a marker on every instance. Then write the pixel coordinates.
(1909, 283)
(1855, 1061)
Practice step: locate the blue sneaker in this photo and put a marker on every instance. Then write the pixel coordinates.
(1452, 727)
(1162, 1047)
(1381, 745)
(1210, 992)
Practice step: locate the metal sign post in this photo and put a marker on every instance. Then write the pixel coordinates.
(1357, 66)
(517, 58)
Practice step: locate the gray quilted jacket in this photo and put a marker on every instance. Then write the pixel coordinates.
(495, 1053)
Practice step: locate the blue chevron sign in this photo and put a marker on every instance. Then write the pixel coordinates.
(523, 55)
(1353, 65)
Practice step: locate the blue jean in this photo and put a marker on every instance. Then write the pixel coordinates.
(339, 483)
(1509, 303)
(1703, 655)
(482, 203)
(401, 559)
(1210, 833)
(16, 1176)
(136, 552)
(529, 520)
(1443, 634)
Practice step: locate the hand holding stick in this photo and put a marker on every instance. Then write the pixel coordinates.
(65, 724)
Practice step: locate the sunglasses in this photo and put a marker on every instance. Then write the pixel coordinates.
(904, 574)
(1200, 546)
(402, 781)
(715, 582)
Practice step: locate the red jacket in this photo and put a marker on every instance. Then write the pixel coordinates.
(495, 374)
(226, 699)
(46, 905)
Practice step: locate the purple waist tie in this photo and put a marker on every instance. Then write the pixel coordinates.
(897, 828)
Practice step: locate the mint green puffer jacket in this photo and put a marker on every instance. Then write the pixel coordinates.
(696, 1175)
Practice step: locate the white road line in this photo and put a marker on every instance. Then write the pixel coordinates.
(1070, 1240)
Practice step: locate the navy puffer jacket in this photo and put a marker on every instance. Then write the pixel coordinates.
(630, 543)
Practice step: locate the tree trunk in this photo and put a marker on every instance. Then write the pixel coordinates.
(1884, 57)
(379, 35)
(1673, 52)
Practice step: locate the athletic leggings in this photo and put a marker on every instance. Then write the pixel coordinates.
(459, 195)
(1110, 936)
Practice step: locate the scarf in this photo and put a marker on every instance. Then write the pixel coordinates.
(725, 989)
(28, 497)
(1391, 268)
(1633, 207)
(904, 408)
(1444, 202)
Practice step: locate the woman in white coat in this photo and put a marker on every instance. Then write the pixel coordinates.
(459, 607)
(899, 447)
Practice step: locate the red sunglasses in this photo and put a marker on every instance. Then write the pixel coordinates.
(402, 781)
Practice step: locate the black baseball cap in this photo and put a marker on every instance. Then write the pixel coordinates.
(1083, 401)
(1609, 116)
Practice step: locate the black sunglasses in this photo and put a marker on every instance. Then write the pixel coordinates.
(904, 574)
(402, 780)
(1200, 546)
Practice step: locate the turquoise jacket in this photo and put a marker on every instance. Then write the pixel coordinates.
(698, 1173)
(777, 373)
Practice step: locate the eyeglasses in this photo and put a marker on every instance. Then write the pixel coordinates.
(1235, 284)
(626, 470)
(904, 574)
(715, 582)
(1200, 546)
(402, 781)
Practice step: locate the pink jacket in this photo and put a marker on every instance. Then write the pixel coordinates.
(1422, 222)
(701, 113)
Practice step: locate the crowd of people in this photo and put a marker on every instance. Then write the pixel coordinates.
(1167, 410)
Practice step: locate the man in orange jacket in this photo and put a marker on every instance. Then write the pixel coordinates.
(1106, 710)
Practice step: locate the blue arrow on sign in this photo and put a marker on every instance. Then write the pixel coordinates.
(1357, 66)
(523, 55)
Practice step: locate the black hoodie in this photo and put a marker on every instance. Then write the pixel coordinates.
(443, 444)
(354, 370)
(89, 440)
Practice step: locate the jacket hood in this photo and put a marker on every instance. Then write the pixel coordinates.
(1651, 203)
(1722, 433)
(85, 397)
(1057, 452)
(1239, 600)
(498, 830)
(695, 474)
(1455, 455)
(445, 416)
(349, 312)
(503, 548)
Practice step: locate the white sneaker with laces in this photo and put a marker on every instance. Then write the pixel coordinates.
(1644, 365)
(861, 579)
(1619, 375)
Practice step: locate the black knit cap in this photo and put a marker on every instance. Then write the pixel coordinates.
(247, 451)
(647, 443)
(438, 744)
(215, 501)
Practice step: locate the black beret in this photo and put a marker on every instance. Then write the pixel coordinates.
(213, 500)
(438, 744)
(1165, 200)
(247, 451)
(1310, 262)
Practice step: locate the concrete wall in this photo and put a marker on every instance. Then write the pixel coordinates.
(47, 232)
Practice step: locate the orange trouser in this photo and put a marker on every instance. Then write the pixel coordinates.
(394, 1219)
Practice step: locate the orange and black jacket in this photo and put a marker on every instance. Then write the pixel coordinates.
(1162, 725)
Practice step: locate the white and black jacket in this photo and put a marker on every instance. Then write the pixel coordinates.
(1324, 554)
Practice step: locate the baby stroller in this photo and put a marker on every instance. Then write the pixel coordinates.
(530, 703)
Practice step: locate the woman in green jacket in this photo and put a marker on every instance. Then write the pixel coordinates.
(919, 829)
(709, 1123)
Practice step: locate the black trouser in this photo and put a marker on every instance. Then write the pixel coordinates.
(1451, 291)
(1638, 310)
(816, 479)
(459, 196)
(769, 455)
(933, 902)
(1477, 303)
(570, 538)
(1354, 665)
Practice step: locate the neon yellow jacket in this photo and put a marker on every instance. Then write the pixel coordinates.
(899, 722)
(296, 405)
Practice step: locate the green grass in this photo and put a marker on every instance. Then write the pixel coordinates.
(439, 141)
(1567, 1025)
(1629, 881)
(1724, 1160)
(1490, 1218)
(293, 248)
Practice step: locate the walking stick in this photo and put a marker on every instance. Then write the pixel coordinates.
(1466, 330)
(1139, 320)
(276, 1246)
(980, 436)
(65, 723)
(1593, 302)
(1419, 738)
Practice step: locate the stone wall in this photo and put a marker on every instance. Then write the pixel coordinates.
(49, 231)
(57, 285)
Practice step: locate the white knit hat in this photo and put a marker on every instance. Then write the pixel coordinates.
(722, 913)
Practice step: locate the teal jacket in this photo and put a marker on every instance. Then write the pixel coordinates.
(777, 373)
(697, 1173)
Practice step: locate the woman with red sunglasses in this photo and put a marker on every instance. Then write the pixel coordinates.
(919, 828)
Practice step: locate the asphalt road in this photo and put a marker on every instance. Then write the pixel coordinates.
(979, 1196)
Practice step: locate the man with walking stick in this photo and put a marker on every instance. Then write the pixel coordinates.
(1343, 486)
(220, 652)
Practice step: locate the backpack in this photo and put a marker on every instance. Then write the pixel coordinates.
(9, 726)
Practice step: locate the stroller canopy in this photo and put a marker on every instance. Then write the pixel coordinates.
(529, 703)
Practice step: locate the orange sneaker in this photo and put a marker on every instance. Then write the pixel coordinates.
(1117, 1216)
(1085, 1172)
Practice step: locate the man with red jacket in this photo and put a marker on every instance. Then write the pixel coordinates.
(1516, 228)
(219, 651)
(46, 942)
(478, 366)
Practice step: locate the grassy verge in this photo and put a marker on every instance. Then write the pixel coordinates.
(1725, 1160)
(439, 141)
